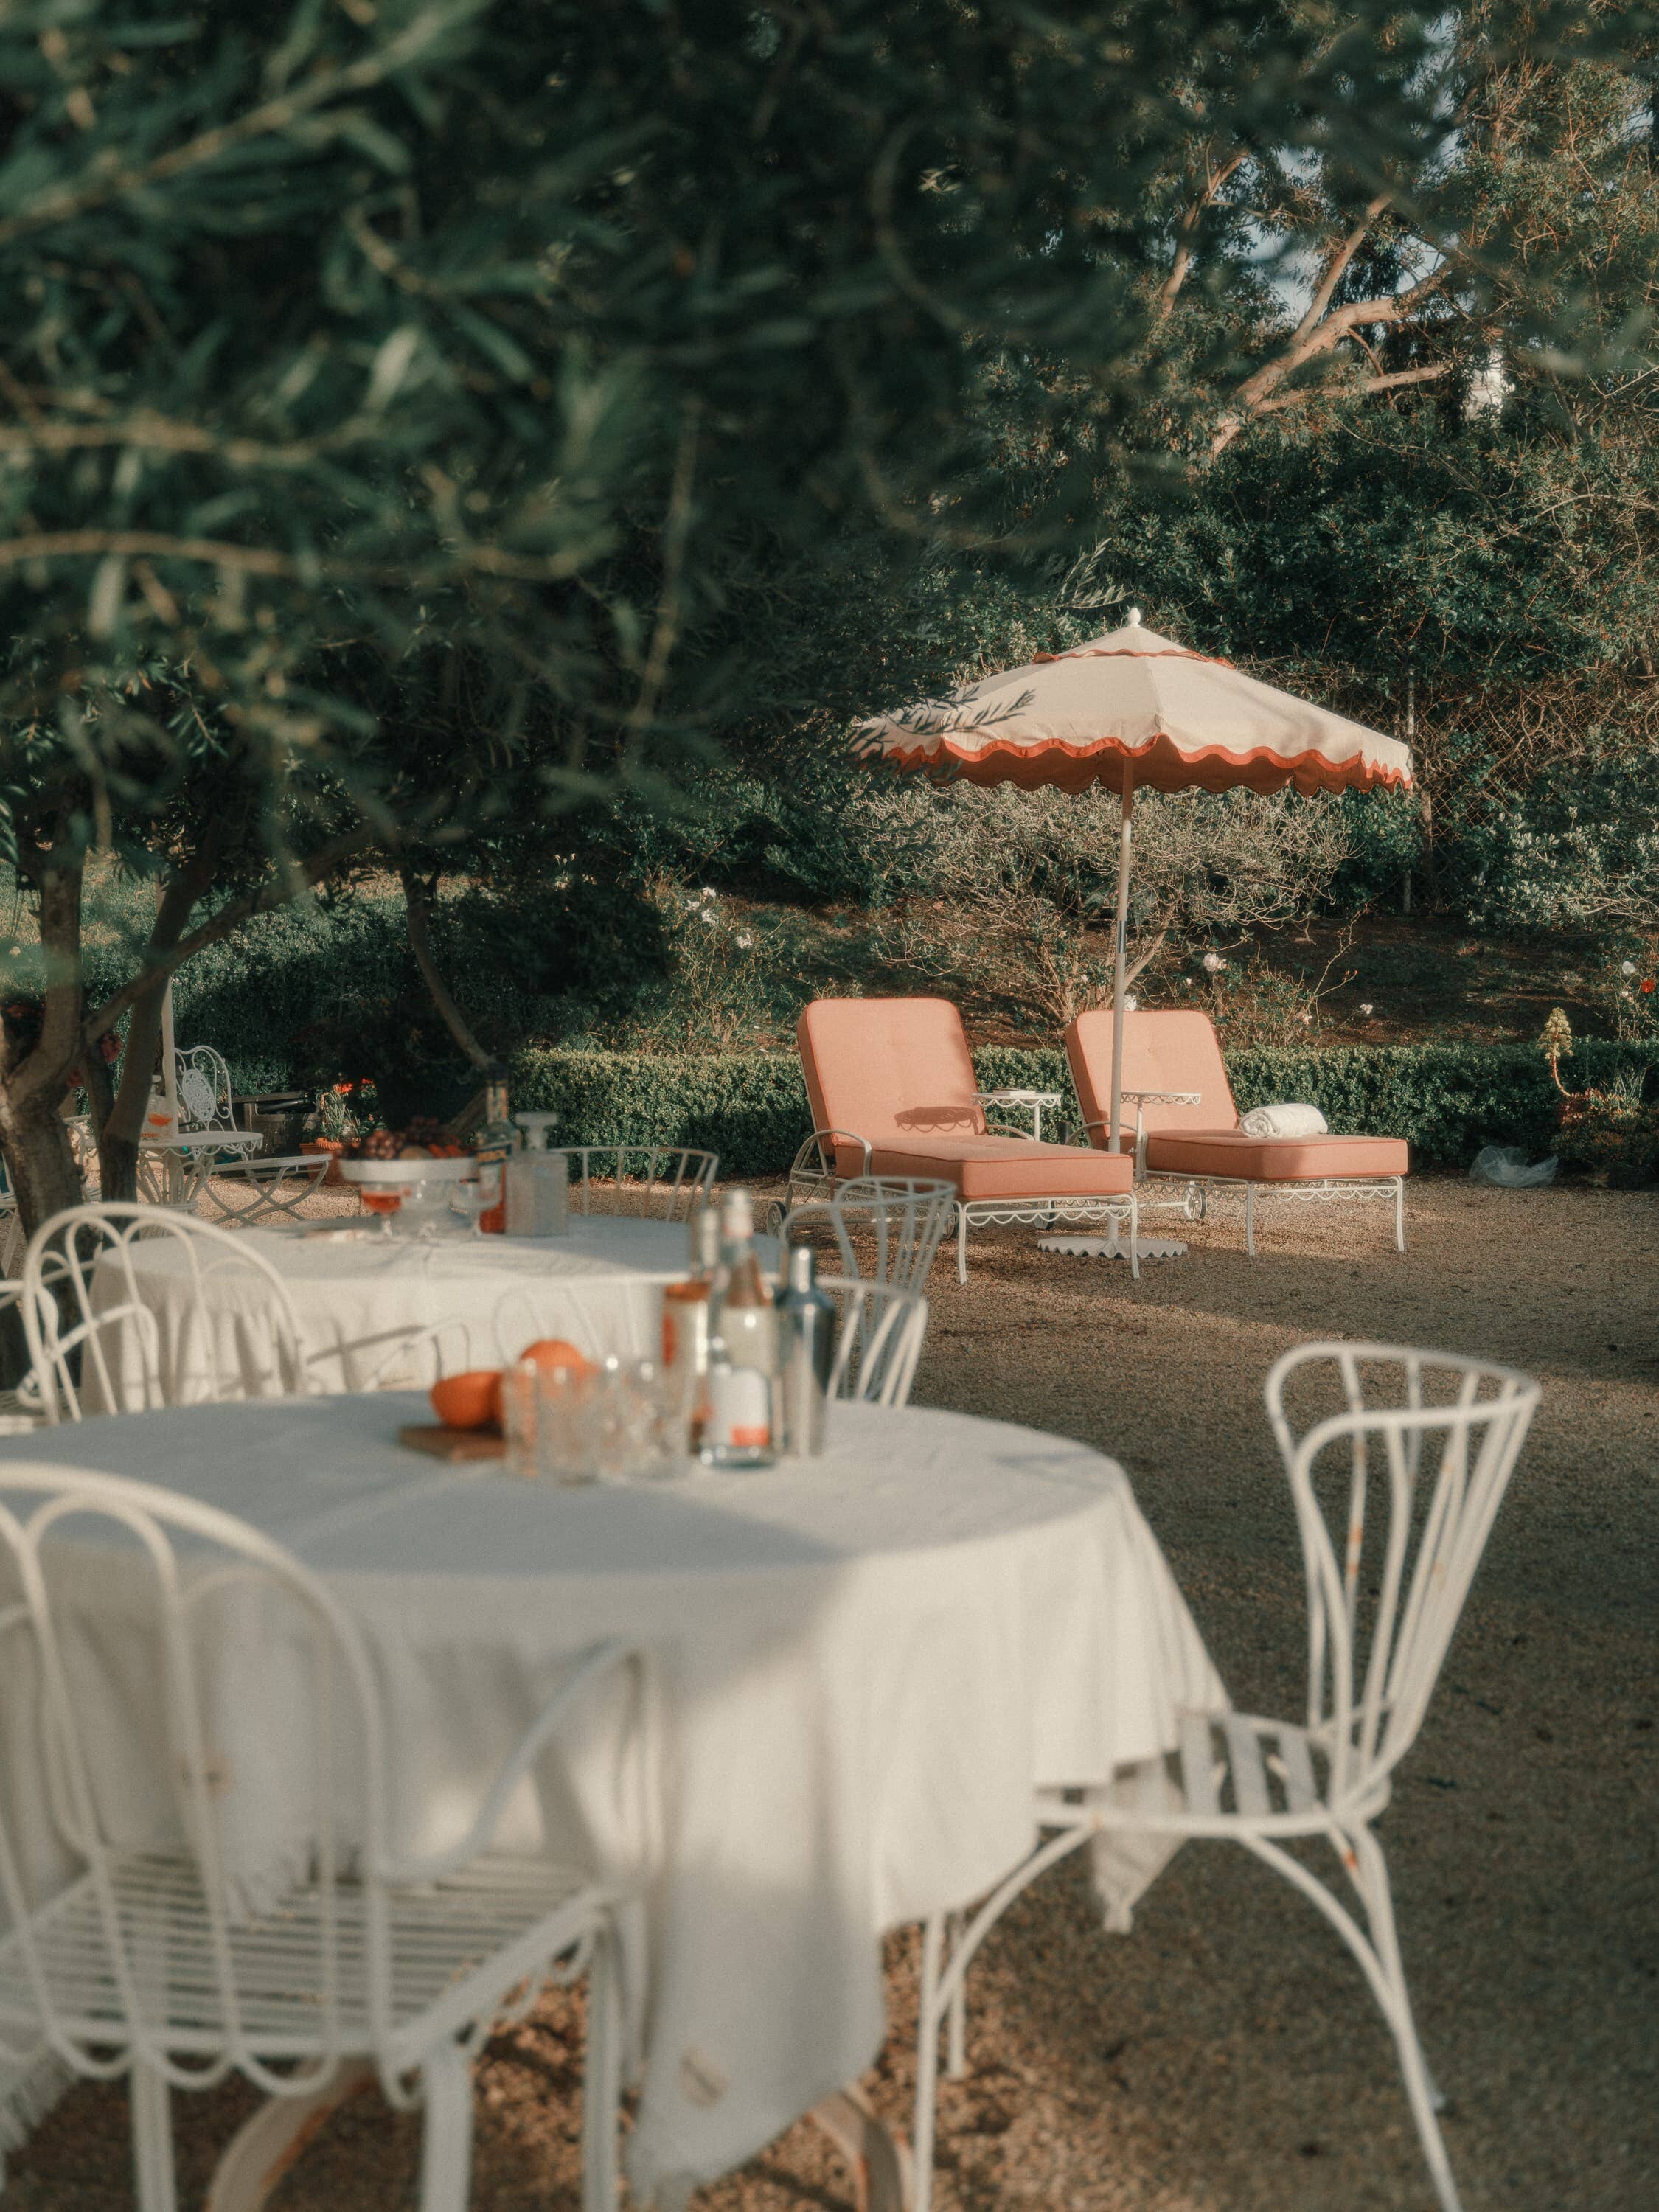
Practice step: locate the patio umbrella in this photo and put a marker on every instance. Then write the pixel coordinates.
(1133, 710)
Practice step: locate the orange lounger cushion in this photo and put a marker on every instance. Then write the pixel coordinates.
(1273, 1159)
(1006, 1167)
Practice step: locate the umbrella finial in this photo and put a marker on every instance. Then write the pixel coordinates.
(1134, 618)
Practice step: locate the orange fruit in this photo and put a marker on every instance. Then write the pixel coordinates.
(471, 1401)
(554, 1351)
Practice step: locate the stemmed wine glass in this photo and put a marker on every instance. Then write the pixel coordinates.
(475, 1196)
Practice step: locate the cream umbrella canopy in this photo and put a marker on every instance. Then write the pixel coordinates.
(1134, 711)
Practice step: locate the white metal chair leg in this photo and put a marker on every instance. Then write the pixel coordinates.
(922, 2128)
(956, 2017)
(152, 2139)
(1400, 1213)
(962, 1243)
(1134, 1233)
(446, 2147)
(1380, 1960)
(602, 2079)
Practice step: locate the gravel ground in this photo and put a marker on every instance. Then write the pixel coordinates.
(1226, 2057)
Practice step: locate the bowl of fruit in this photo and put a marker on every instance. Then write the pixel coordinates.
(419, 1166)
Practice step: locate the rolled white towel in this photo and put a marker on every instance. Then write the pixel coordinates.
(1284, 1122)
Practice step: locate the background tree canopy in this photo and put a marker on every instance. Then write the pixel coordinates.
(435, 431)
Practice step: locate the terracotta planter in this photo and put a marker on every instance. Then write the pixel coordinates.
(328, 1145)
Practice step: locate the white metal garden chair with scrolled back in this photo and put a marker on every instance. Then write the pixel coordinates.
(189, 1942)
(652, 1182)
(1438, 1436)
(895, 1224)
(244, 1191)
(92, 1333)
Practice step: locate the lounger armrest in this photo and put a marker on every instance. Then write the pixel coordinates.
(998, 1129)
(1165, 1097)
(826, 1140)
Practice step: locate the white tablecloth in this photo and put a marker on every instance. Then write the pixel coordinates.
(865, 1666)
(358, 1293)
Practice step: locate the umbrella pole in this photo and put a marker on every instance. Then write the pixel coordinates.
(1120, 975)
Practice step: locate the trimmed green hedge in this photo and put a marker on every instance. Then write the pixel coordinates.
(751, 1108)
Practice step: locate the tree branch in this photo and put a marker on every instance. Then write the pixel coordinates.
(1251, 397)
(1390, 381)
(68, 201)
(277, 891)
(1335, 267)
(1185, 236)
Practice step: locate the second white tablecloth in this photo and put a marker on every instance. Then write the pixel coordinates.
(358, 1294)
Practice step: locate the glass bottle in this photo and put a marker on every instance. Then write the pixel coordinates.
(806, 1355)
(538, 1182)
(703, 1237)
(497, 1141)
(744, 1314)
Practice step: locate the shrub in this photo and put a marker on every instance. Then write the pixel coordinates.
(751, 1108)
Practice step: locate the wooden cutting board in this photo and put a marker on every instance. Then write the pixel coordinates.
(454, 1444)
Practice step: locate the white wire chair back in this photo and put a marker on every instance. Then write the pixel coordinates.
(1387, 1579)
(201, 1077)
(878, 1338)
(162, 1983)
(236, 1335)
(893, 1222)
(650, 1183)
(417, 1358)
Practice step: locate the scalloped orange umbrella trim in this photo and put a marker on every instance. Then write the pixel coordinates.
(1162, 765)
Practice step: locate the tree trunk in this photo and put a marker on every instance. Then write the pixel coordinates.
(118, 1142)
(32, 1137)
(420, 943)
(39, 1159)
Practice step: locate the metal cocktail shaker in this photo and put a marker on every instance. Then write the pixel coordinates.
(806, 1354)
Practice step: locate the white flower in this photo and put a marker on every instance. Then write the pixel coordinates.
(705, 893)
(1129, 1005)
(1625, 967)
(1307, 1018)
(1213, 963)
(745, 941)
(707, 915)
(1368, 1010)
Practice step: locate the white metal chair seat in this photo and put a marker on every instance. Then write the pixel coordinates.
(458, 1947)
(1230, 1767)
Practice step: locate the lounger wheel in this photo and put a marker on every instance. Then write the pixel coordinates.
(776, 1217)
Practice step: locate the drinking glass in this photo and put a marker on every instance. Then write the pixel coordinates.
(478, 1195)
(568, 1448)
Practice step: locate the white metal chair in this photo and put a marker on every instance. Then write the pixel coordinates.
(878, 1337)
(244, 1191)
(1440, 1434)
(651, 1182)
(152, 1963)
(895, 1221)
(83, 1300)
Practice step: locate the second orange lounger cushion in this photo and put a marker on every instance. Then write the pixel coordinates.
(998, 1167)
(1273, 1159)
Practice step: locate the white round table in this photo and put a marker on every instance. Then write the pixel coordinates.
(865, 1666)
(357, 1294)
